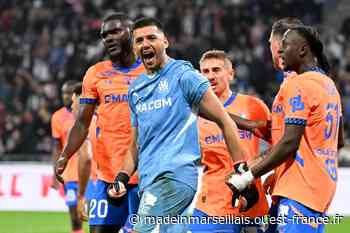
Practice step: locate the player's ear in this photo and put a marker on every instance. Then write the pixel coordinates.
(303, 50)
(166, 42)
(231, 72)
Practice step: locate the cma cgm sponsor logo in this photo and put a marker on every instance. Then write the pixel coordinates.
(214, 139)
(112, 98)
(153, 105)
(278, 108)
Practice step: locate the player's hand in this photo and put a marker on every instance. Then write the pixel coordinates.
(60, 165)
(240, 178)
(269, 183)
(245, 199)
(118, 188)
(117, 193)
(82, 208)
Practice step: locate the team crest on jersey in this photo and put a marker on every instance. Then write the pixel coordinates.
(163, 86)
(137, 97)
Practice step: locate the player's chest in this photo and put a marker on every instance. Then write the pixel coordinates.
(210, 134)
(157, 97)
(114, 84)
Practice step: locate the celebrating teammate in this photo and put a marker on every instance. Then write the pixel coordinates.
(106, 84)
(61, 122)
(165, 149)
(215, 198)
(306, 128)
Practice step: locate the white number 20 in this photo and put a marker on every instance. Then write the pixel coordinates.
(102, 208)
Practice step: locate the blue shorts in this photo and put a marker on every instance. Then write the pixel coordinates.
(133, 201)
(71, 193)
(163, 198)
(273, 213)
(90, 190)
(105, 211)
(203, 223)
(293, 214)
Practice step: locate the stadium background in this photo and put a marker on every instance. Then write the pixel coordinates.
(46, 42)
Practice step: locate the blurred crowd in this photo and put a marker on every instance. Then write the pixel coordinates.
(44, 43)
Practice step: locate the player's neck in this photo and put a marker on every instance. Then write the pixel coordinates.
(125, 60)
(306, 67)
(159, 67)
(225, 95)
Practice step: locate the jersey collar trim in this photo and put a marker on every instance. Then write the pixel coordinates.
(127, 69)
(230, 100)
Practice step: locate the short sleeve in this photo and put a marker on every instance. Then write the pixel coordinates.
(55, 128)
(194, 86)
(89, 90)
(296, 102)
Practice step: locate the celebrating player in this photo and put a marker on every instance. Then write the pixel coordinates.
(165, 147)
(215, 198)
(306, 135)
(106, 83)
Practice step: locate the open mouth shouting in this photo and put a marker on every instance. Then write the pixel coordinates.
(149, 57)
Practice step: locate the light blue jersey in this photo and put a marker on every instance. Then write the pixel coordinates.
(164, 110)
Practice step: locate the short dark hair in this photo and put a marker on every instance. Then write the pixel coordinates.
(147, 21)
(77, 88)
(280, 26)
(117, 16)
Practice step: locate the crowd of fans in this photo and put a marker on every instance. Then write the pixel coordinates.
(44, 43)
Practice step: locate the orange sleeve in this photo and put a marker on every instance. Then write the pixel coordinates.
(55, 129)
(297, 102)
(89, 89)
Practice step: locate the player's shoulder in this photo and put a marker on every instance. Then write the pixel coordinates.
(99, 67)
(139, 81)
(58, 114)
(178, 68)
(251, 99)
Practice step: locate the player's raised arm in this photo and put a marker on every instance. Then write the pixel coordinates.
(211, 108)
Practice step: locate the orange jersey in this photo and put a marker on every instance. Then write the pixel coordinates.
(309, 177)
(215, 197)
(61, 122)
(92, 145)
(107, 85)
